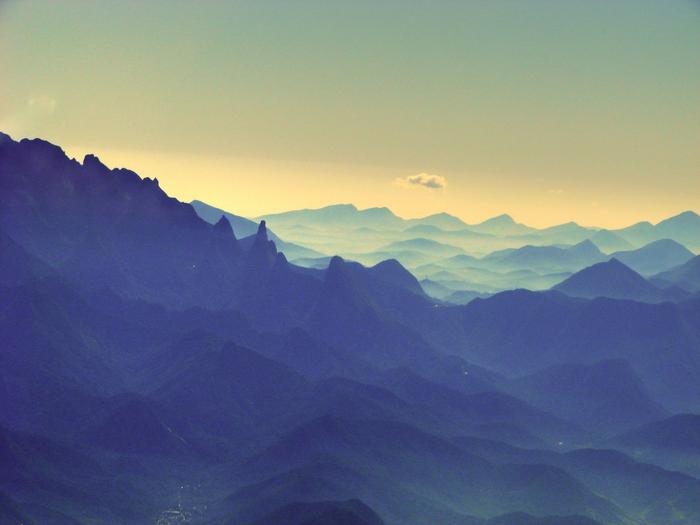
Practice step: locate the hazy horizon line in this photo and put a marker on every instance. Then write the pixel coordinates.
(76, 152)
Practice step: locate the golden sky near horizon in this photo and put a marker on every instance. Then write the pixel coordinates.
(550, 111)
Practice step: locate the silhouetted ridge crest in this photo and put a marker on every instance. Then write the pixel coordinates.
(261, 236)
(586, 247)
(344, 290)
(133, 237)
(223, 227)
(92, 162)
(225, 239)
(503, 218)
(686, 275)
(392, 272)
(40, 147)
(342, 276)
(611, 278)
(263, 252)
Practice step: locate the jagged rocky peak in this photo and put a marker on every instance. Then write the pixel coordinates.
(263, 252)
(281, 262)
(262, 232)
(336, 262)
(346, 277)
(40, 146)
(91, 161)
(223, 227)
(336, 271)
(225, 238)
(336, 267)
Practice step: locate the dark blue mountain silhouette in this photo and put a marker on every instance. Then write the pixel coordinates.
(155, 364)
(610, 279)
(246, 227)
(521, 332)
(639, 488)
(133, 426)
(351, 512)
(685, 276)
(680, 432)
(383, 453)
(608, 395)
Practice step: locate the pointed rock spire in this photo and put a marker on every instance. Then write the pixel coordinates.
(223, 226)
(263, 251)
(226, 239)
(262, 232)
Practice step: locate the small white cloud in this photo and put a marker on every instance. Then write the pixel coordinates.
(41, 104)
(555, 192)
(425, 180)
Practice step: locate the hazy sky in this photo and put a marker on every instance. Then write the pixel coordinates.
(551, 110)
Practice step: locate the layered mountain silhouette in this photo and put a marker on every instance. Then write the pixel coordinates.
(351, 512)
(506, 254)
(655, 257)
(521, 332)
(549, 258)
(609, 242)
(248, 228)
(673, 442)
(607, 395)
(501, 225)
(610, 472)
(336, 215)
(165, 362)
(685, 276)
(680, 432)
(682, 228)
(610, 279)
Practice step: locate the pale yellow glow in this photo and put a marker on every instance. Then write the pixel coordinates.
(252, 187)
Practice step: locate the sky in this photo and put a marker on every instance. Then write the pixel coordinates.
(550, 110)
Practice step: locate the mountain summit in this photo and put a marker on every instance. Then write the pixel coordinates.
(609, 279)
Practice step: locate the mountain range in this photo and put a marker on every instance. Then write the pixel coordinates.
(158, 367)
(462, 261)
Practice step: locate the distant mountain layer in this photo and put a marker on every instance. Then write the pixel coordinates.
(336, 215)
(506, 254)
(686, 276)
(501, 225)
(421, 244)
(655, 257)
(243, 227)
(683, 228)
(550, 258)
(610, 279)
